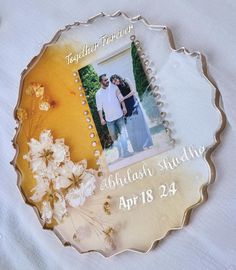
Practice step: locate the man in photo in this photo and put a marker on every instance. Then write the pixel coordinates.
(107, 102)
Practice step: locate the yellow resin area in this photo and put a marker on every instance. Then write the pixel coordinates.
(65, 118)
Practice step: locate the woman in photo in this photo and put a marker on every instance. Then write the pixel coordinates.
(137, 128)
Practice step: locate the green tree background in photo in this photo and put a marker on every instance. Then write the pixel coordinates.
(90, 82)
(142, 86)
(140, 77)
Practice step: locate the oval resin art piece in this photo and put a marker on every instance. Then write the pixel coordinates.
(116, 130)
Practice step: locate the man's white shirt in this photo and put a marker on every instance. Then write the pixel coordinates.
(106, 100)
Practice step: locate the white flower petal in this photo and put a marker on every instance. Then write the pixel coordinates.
(37, 165)
(74, 197)
(66, 169)
(59, 209)
(41, 188)
(27, 157)
(60, 152)
(78, 169)
(89, 177)
(35, 147)
(61, 182)
(36, 155)
(47, 212)
(88, 185)
(46, 138)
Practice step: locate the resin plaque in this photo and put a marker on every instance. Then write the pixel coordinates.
(116, 130)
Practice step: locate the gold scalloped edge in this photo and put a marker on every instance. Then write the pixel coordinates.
(209, 151)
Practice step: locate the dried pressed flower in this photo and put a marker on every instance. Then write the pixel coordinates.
(45, 155)
(39, 92)
(21, 114)
(44, 106)
(58, 179)
(29, 90)
(109, 241)
(36, 89)
(107, 208)
(53, 205)
(78, 181)
(109, 231)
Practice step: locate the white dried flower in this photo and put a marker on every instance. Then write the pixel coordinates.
(59, 181)
(45, 154)
(44, 106)
(79, 181)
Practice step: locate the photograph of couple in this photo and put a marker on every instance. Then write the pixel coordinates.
(125, 113)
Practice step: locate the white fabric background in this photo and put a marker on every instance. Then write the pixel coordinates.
(209, 241)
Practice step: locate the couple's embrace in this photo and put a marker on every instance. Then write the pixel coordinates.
(124, 117)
